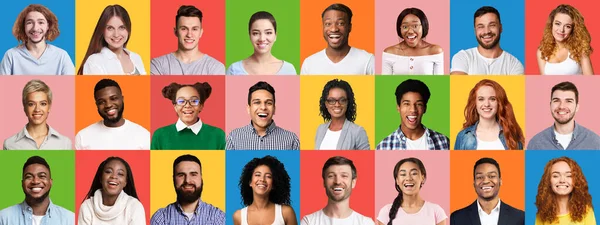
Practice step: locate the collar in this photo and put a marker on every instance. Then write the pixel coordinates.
(269, 130)
(106, 52)
(196, 212)
(496, 208)
(576, 130)
(194, 127)
(473, 127)
(400, 135)
(25, 208)
(24, 133)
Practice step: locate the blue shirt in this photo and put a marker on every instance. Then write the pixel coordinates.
(237, 68)
(205, 214)
(467, 139)
(54, 61)
(22, 214)
(582, 139)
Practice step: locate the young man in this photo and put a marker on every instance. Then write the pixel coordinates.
(339, 178)
(113, 132)
(187, 60)
(36, 25)
(262, 133)
(338, 58)
(565, 134)
(487, 58)
(411, 99)
(487, 209)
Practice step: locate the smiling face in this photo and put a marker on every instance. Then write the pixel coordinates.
(262, 180)
(115, 33)
(563, 106)
(188, 112)
(411, 30)
(36, 27)
(411, 108)
(109, 102)
(409, 178)
(188, 181)
(37, 108)
(261, 108)
(561, 179)
(487, 181)
(338, 97)
(339, 182)
(562, 26)
(188, 32)
(487, 104)
(36, 182)
(114, 178)
(336, 28)
(262, 35)
(488, 30)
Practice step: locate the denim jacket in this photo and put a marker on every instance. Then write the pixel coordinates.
(21, 214)
(467, 140)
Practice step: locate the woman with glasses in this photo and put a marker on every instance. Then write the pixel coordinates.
(338, 109)
(413, 55)
(188, 132)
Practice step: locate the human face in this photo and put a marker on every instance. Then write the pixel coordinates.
(188, 181)
(115, 33)
(109, 102)
(336, 28)
(188, 113)
(262, 35)
(486, 103)
(563, 106)
(339, 182)
(411, 30)
(188, 31)
(488, 30)
(409, 178)
(114, 178)
(37, 108)
(36, 27)
(36, 182)
(562, 26)
(338, 97)
(487, 181)
(411, 109)
(261, 108)
(561, 180)
(262, 180)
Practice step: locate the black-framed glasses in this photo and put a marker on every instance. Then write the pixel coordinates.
(182, 102)
(332, 101)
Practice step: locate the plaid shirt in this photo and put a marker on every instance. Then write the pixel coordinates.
(276, 138)
(397, 140)
(205, 214)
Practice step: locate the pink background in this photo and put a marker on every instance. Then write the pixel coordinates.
(538, 116)
(287, 101)
(435, 189)
(61, 117)
(438, 15)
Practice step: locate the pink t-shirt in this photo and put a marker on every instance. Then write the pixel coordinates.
(430, 214)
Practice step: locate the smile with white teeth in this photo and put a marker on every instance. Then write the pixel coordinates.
(335, 36)
(409, 185)
(36, 189)
(112, 183)
(411, 119)
(188, 112)
(111, 112)
(189, 40)
(486, 188)
(262, 115)
(338, 189)
(562, 112)
(486, 109)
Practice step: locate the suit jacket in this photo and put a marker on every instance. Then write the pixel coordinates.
(470, 216)
(353, 137)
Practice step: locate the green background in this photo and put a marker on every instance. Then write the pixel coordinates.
(387, 118)
(237, 38)
(62, 170)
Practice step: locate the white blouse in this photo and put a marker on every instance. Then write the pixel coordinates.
(566, 67)
(393, 64)
(106, 62)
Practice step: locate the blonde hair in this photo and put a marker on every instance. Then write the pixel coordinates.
(36, 86)
(578, 42)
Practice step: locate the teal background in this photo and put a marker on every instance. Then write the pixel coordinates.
(62, 171)
(387, 117)
(237, 38)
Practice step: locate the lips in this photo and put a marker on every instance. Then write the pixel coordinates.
(334, 38)
(411, 119)
(262, 115)
(262, 45)
(338, 190)
(111, 112)
(36, 189)
(113, 184)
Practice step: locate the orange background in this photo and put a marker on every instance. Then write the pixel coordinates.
(512, 165)
(311, 26)
(136, 97)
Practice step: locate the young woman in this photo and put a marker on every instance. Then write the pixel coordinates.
(413, 55)
(112, 198)
(263, 34)
(338, 109)
(107, 52)
(565, 47)
(265, 189)
(408, 207)
(188, 101)
(563, 197)
(490, 122)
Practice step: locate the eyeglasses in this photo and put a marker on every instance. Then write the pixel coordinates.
(413, 26)
(182, 102)
(332, 101)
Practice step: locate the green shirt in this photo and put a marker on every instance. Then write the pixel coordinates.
(168, 138)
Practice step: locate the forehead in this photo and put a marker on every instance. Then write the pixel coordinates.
(261, 94)
(108, 91)
(486, 90)
(187, 166)
(188, 21)
(337, 91)
(37, 95)
(486, 18)
(339, 169)
(35, 15)
(36, 168)
(115, 20)
(187, 91)
(563, 18)
(563, 94)
(486, 168)
(335, 14)
(561, 166)
(262, 24)
(115, 164)
(410, 18)
(415, 96)
(262, 168)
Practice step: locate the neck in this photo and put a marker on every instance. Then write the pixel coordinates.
(413, 134)
(261, 131)
(563, 204)
(559, 45)
(338, 209)
(337, 123)
(260, 202)
(491, 53)
(262, 57)
(338, 53)
(117, 124)
(37, 130)
(188, 55)
(566, 128)
(118, 51)
(189, 207)
(39, 208)
(36, 47)
(488, 205)
(487, 124)
(412, 200)
(109, 200)
(192, 123)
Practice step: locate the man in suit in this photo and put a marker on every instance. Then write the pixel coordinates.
(487, 209)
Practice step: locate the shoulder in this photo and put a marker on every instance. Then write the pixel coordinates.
(361, 52)
(385, 209)
(287, 133)
(96, 58)
(64, 212)
(462, 212)
(288, 67)
(238, 131)
(542, 135)
(211, 60)
(435, 49)
(213, 128)
(162, 58)
(236, 68)
(364, 220)
(57, 50)
(391, 49)
(316, 56)
(164, 129)
(9, 211)
(512, 209)
(137, 128)
(134, 55)
(212, 211)
(91, 128)
(287, 210)
(436, 134)
(134, 203)
(465, 53)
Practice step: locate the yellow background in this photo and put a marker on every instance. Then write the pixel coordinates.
(460, 86)
(162, 191)
(87, 16)
(311, 88)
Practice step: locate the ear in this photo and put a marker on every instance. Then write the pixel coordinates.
(577, 108)
(175, 31)
(200, 107)
(349, 27)
(201, 32)
(354, 183)
(248, 109)
(500, 181)
(398, 108)
(273, 109)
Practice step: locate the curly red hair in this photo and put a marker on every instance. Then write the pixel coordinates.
(505, 115)
(19, 27)
(578, 42)
(579, 201)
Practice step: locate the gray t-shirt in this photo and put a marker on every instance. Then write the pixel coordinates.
(169, 65)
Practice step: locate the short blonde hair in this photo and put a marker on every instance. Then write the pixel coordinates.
(36, 86)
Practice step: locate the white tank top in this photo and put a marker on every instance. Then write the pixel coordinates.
(278, 216)
(566, 67)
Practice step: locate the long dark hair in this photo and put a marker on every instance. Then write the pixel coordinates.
(97, 182)
(398, 200)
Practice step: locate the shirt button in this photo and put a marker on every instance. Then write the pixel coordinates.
(411, 67)
(411, 59)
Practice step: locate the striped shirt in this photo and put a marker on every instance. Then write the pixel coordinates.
(173, 214)
(276, 138)
(397, 141)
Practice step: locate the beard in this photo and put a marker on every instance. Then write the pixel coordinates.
(561, 121)
(490, 46)
(335, 198)
(185, 197)
(33, 200)
(116, 119)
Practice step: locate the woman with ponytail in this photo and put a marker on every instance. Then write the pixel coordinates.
(408, 207)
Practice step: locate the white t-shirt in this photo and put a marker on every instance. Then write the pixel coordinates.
(564, 139)
(419, 65)
(106, 62)
(490, 145)
(472, 62)
(319, 218)
(36, 220)
(356, 62)
(129, 136)
(419, 144)
(330, 140)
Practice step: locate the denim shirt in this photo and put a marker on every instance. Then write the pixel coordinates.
(22, 214)
(467, 139)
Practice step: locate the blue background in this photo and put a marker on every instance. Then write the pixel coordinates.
(534, 167)
(512, 17)
(235, 162)
(64, 11)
